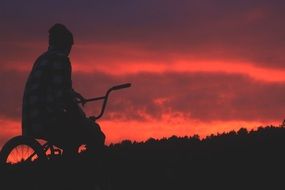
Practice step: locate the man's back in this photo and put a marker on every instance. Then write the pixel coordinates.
(47, 91)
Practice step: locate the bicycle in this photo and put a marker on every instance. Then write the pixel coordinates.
(23, 149)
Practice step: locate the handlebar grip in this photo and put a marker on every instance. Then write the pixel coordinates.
(126, 85)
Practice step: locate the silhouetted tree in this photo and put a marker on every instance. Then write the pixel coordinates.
(216, 162)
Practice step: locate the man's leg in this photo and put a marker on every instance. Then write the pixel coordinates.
(62, 132)
(93, 136)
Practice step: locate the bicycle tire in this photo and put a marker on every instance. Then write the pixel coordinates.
(29, 142)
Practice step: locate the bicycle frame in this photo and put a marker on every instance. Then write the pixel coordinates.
(47, 146)
(105, 98)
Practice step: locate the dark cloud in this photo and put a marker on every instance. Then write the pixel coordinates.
(154, 30)
(19, 56)
(12, 85)
(201, 96)
(212, 29)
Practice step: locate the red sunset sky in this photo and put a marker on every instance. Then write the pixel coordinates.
(196, 66)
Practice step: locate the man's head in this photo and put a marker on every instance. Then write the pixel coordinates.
(60, 38)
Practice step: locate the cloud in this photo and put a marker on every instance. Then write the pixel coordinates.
(19, 55)
(166, 97)
(9, 129)
(12, 86)
(221, 29)
(200, 96)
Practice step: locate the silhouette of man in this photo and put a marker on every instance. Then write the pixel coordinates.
(50, 110)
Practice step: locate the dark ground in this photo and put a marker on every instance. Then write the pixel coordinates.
(236, 160)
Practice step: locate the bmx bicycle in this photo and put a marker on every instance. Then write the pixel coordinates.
(23, 149)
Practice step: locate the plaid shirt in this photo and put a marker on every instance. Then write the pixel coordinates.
(48, 93)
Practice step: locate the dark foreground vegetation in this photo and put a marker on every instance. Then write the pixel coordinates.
(234, 160)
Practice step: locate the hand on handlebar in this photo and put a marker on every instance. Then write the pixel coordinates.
(80, 98)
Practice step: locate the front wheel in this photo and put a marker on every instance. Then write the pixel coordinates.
(21, 149)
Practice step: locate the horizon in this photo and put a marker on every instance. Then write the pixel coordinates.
(195, 67)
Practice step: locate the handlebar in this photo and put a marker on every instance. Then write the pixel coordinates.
(121, 86)
(105, 98)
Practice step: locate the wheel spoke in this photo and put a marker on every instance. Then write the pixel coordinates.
(22, 149)
(17, 154)
(21, 153)
(26, 150)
